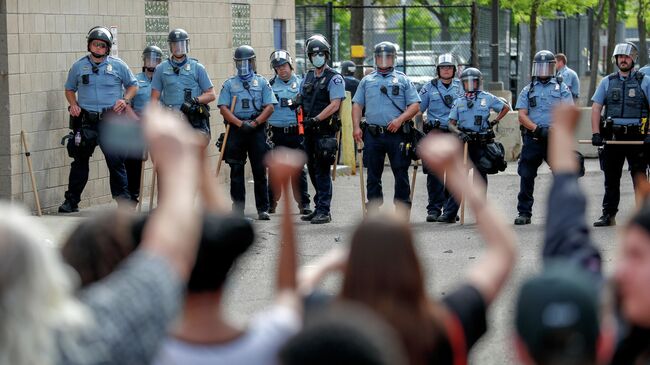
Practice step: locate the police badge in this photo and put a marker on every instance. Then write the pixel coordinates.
(255, 83)
(631, 93)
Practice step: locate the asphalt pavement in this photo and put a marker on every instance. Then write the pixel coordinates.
(446, 250)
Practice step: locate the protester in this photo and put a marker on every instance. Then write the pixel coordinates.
(42, 322)
(431, 331)
(204, 335)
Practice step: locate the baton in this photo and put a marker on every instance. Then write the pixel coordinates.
(462, 196)
(28, 155)
(225, 137)
(141, 191)
(413, 179)
(153, 186)
(338, 154)
(361, 180)
(636, 143)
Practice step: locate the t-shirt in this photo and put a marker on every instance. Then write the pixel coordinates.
(259, 345)
(131, 309)
(468, 307)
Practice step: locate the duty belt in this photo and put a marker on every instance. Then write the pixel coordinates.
(93, 117)
(483, 138)
(626, 129)
(428, 127)
(293, 129)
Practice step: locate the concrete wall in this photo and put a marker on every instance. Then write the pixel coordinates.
(39, 41)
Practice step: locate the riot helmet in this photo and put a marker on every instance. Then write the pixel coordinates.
(625, 49)
(318, 50)
(279, 58)
(348, 68)
(385, 53)
(151, 57)
(472, 79)
(99, 33)
(244, 60)
(179, 43)
(543, 65)
(446, 59)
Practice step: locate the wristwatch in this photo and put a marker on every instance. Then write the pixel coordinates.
(127, 101)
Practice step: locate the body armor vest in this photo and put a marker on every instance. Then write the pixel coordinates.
(625, 98)
(315, 95)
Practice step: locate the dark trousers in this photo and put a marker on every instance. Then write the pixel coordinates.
(133, 173)
(79, 173)
(252, 145)
(533, 153)
(376, 148)
(612, 159)
(299, 183)
(319, 172)
(439, 197)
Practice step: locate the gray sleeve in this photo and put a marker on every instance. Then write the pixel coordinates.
(132, 308)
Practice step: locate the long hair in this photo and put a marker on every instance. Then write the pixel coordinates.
(384, 273)
(35, 293)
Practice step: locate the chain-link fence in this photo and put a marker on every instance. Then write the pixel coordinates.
(420, 32)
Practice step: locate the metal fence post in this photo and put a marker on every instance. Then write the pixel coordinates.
(474, 35)
(404, 37)
(329, 19)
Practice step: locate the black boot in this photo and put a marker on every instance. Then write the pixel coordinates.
(605, 220)
(308, 217)
(522, 219)
(321, 218)
(433, 216)
(68, 206)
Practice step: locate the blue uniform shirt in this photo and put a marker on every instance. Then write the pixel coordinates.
(379, 108)
(433, 95)
(601, 91)
(546, 97)
(99, 87)
(171, 85)
(571, 79)
(466, 111)
(249, 102)
(141, 99)
(283, 116)
(336, 86)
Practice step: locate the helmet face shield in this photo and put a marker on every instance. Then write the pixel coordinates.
(543, 69)
(384, 60)
(471, 83)
(151, 59)
(279, 58)
(625, 49)
(179, 48)
(245, 67)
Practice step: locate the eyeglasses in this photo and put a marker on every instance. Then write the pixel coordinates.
(99, 44)
(322, 54)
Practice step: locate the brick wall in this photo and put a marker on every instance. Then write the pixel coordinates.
(39, 41)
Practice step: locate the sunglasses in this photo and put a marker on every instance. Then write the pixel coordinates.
(99, 44)
(322, 54)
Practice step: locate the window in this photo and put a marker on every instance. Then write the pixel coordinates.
(156, 20)
(279, 39)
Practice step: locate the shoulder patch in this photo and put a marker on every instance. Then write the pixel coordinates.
(337, 80)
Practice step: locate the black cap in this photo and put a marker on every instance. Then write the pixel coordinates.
(557, 313)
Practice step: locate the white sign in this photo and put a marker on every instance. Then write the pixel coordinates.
(114, 51)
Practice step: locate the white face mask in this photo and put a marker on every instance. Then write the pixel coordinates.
(318, 61)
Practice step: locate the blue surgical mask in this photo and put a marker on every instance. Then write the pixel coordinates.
(318, 61)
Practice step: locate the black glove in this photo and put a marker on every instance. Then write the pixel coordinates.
(247, 126)
(647, 139)
(464, 137)
(310, 122)
(540, 133)
(293, 104)
(597, 139)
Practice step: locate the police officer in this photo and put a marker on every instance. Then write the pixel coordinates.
(321, 92)
(391, 100)
(253, 107)
(437, 99)
(568, 76)
(625, 97)
(151, 57)
(351, 83)
(97, 83)
(469, 117)
(283, 127)
(535, 104)
(182, 83)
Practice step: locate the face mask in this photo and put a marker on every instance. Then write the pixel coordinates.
(318, 61)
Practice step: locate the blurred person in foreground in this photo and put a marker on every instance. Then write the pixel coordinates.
(43, 323)
(568, 237)
(204, 334)
(382, 270)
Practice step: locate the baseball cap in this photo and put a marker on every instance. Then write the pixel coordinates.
(557, 314)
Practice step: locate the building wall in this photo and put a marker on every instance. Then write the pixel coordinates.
(39, 41)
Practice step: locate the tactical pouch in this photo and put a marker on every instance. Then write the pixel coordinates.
(326, 150)
(412, 140)
(220, 141)
(493, 158)
(75, 122)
